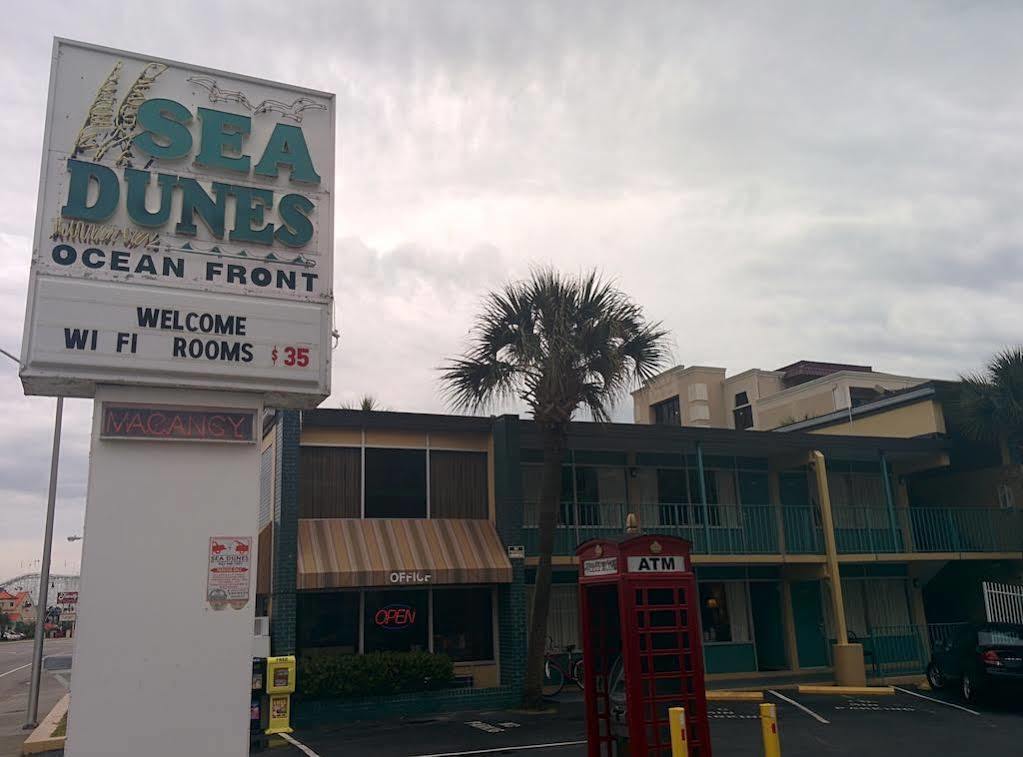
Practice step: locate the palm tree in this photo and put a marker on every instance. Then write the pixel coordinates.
(367, 403)
(990, 406)
(558, 344)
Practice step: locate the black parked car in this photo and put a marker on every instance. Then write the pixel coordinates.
(984, 658)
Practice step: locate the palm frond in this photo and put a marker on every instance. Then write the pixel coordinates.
(559, 344)
(990, 405)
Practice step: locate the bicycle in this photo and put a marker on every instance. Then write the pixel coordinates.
(554, 676)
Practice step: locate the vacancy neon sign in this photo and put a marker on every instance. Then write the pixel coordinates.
(395, 617)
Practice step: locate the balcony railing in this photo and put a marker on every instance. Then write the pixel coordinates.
(715, 530)
(966, 529)
(789, 529)
(866, 530)
(927, 529)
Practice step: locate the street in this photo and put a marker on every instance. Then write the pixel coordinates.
(15, 672)
(910, 723)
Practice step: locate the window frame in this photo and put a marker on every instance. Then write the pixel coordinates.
(656, 407)
(361, 621)
(748, 609)
(425, 480)
(302, 597)
(363, 446)
(493, 621)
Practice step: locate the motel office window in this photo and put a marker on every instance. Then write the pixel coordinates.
(328, 620)
(331, 481)
(397, 621)
(463, 623)
(459, 624)
(667, 413)
(395, 483)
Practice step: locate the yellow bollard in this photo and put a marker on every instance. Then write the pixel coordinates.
(677, 725)
(769, 728)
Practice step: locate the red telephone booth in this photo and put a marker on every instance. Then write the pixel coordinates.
(640, 625)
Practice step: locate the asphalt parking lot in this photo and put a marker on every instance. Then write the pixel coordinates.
(906, 724)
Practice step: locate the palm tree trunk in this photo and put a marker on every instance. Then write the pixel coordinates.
(550, 497)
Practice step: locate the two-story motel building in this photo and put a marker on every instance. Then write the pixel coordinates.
(366, 512)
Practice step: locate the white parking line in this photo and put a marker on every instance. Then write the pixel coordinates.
(804, 708)
(295, 742)
(503, 749)
(15, 670)
(939, 701)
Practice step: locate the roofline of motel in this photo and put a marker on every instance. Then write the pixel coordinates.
(655, 438)
(635, 437)
(939, 390)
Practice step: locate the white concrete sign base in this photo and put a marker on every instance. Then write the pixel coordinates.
(159, 669)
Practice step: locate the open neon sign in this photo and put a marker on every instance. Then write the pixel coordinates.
(395, 617)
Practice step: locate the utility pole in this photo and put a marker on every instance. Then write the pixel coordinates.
(44, 570)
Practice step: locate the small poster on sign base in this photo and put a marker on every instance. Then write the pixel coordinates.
(227, 580)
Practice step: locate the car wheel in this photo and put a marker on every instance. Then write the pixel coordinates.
(935, 677)
(969, 688)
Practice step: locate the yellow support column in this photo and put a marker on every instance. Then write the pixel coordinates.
(677, 726)
(769, 729)
(848, 658)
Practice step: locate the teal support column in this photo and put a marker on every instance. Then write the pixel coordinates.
(890, 504)
(284, 602)
(512, 612)
(703, 497)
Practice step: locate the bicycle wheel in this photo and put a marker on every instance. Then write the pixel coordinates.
(578, 673)
(553, 679)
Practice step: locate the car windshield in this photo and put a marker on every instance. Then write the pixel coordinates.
(1000, 636)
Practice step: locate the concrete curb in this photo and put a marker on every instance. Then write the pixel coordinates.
(724, 695)
(41, 739)
(845, 690)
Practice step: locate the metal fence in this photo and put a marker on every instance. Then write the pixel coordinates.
(892, 650)
(1003, 603)
(942, 633)
(897, 650)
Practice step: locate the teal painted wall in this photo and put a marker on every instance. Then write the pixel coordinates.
(729, 658)
(808, 614)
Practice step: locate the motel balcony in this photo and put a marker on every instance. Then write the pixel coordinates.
(788, 529)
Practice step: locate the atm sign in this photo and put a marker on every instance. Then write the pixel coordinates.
(658, 564)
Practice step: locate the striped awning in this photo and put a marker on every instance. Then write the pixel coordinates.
(353, 552)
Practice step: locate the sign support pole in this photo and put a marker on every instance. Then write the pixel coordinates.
(44, 575)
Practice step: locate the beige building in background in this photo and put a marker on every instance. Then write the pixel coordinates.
(703, 396)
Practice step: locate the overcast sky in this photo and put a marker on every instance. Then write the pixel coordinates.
(774, 181)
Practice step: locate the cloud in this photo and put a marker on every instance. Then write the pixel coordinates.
(426, 296)
(774, 182)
